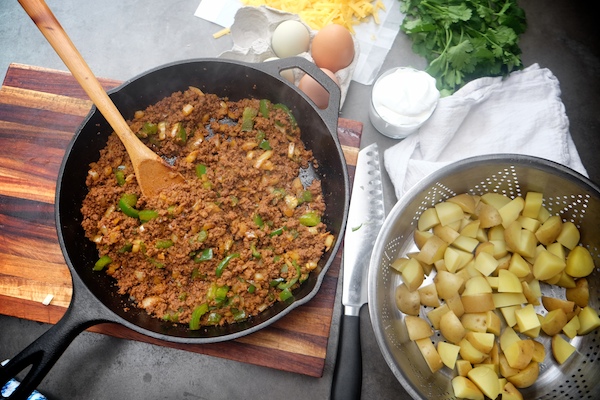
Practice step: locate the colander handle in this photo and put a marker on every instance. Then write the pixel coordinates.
(347, 376)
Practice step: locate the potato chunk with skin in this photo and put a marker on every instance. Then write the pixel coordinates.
(451, 327)
(429, 296)
(430, 354)
(526, 377)
(465, 389)
(580, 294)
(417, 327)
(408, 302)
(579, 262)
(588, 321)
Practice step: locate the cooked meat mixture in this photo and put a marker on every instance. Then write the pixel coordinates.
(241, 233)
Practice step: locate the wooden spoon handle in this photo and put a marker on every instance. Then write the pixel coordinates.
(47, 23)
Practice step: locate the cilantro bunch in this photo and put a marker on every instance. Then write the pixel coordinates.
(465, 39)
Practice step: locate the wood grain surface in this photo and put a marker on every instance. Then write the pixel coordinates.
(40, 109)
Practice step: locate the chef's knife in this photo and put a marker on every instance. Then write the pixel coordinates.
(365, 218)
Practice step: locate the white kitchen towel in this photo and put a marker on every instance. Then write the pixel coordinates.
(519, 114)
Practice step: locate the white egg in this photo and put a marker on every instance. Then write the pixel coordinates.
(290, 38)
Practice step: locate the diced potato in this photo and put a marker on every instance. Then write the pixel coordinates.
(508, 299)
(448, 353)
(463, 367)
(526, 377)
(465, 389)
(429, 296)
(509, 314)
(477, 285)
(486, 380)
(554, 321)
(432, 250)
(408, 302)
(448, 284)
(547, 265)
(527, 318)
(465, 243)
(420, 237)
(430, 354)
(508, 282)
(519, 266)
(417, 327)
(531, 224)
(481, 341)
(561, 349)
(493, 323)
(579, 262)
(486, 263)
(505, 369)
(511, 211)
(453, 259)
(569, 236)
(570, 329)
(448, 212)
(446, 233)
(478, 303)
(476, 322)
(588, 321)
(530, 291)
(428, 219)
(471, 229)
(488, 216)
(495, 200)
(533, 203)
(534, 332)
(436, 314)
(412, 274)
(470, 353)
(399, 263)
(565, 280)
(519, 353)
(465, 201)
(455, 305)
(552, 303)
(580, 294)
(508, 337)
(539, 352)
(510, 392)
(549, 231)
(451, 327)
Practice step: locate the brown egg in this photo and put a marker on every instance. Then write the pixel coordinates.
(314, 90)
(333, 47)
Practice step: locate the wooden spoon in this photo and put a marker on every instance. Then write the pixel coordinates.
(152, 172)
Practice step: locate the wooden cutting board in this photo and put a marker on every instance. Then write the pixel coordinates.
(40, 109)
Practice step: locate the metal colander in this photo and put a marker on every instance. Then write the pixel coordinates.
(567, 193)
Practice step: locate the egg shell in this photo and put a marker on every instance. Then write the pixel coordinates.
(290, 38)
(313, 89)
(333, 48)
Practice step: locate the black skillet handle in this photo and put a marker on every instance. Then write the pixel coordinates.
(331, 113)
(347, 376)
(43, 353)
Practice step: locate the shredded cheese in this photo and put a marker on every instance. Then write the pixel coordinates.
(222, 32)
(319, 13)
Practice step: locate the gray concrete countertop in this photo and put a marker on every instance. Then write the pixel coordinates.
(120, 40)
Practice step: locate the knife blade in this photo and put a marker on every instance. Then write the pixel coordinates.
(365, 218)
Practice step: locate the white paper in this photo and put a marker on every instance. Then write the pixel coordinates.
(375, 40)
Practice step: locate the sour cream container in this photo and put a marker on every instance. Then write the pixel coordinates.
(402, 99)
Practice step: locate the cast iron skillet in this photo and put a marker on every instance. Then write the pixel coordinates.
(95, 299)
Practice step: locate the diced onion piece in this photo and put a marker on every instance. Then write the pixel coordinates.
(187, 109)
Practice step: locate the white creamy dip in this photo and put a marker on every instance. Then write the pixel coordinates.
(402, 99)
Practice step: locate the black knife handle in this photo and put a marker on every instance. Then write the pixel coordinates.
(347, 375)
